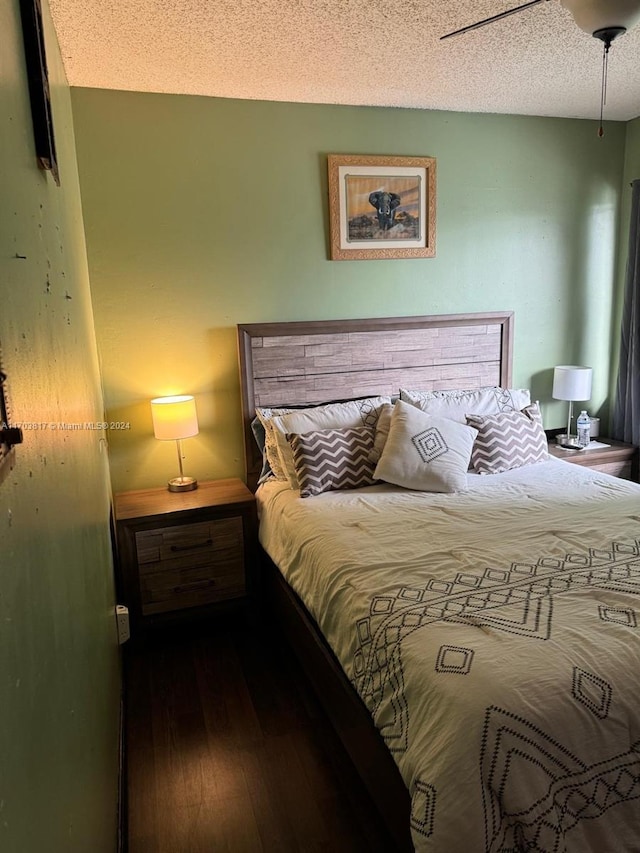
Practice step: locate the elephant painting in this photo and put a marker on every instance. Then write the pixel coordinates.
(385, 205)
(381, 207)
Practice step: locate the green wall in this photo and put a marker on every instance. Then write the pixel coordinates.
(203, 213)
(59, 660)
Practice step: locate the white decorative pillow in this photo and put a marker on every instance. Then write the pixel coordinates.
(332, 459)
(354, 413)
(425, 453)
(458, 404)
(508, 440)
(382, 431)
(266, 416)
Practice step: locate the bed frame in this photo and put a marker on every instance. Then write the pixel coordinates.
(313, 362)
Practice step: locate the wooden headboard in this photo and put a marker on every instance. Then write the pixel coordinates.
(284, 364)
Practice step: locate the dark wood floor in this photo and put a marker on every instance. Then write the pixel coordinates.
(227, 749)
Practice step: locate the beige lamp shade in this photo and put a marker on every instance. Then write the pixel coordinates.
(174, 417)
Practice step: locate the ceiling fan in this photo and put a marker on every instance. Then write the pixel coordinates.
(603, 19)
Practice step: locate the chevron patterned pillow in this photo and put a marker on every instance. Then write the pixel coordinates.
(332, 459)
(363, 412)
(508, 440)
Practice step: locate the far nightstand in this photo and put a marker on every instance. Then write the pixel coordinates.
(185, 552)
(619, 459)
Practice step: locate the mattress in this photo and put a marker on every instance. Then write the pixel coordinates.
(493, 635)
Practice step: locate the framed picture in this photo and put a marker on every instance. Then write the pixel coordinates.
(382, 207)
(38, 78)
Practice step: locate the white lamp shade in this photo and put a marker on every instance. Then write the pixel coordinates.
(174, 417)
(594, 15)
(571, 382)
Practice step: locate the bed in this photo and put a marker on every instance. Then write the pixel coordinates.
(477, 649)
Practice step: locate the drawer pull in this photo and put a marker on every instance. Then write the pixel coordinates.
(189, 587)
(191, 547)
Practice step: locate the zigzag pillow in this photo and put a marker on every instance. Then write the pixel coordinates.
(332, 459)
(508, 440)
(363, 412)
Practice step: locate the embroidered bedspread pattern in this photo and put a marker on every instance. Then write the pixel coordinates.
(494, 637)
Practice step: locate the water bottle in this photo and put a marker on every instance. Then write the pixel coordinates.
(583, 425)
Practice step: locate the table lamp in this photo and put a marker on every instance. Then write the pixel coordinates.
(175, 418)
(571, 382)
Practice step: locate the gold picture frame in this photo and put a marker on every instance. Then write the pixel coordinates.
(382, 207)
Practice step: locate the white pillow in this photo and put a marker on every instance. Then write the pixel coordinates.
(382, 431)
(425, 453)
(354, 413)
(266, 416)
(458, 404)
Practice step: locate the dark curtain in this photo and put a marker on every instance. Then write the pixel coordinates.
(626, 412)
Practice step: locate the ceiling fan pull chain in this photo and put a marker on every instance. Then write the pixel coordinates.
(603, 93)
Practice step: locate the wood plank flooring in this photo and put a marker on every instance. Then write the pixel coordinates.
(227, 749)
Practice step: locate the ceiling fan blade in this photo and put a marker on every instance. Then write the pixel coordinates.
(492, 19)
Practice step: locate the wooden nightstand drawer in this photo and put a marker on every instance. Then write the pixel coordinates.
(187, 545)
(617, 469)
(191, 564)
(191, 587)
(178, 552)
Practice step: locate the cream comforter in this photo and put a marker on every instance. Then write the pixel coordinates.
(494, 637)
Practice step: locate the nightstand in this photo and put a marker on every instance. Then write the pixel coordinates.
(179, 553)
(619, 459)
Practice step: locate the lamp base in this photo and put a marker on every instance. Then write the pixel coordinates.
(182, 484)
(569, 442)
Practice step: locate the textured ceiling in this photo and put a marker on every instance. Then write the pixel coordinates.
(379, 52)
